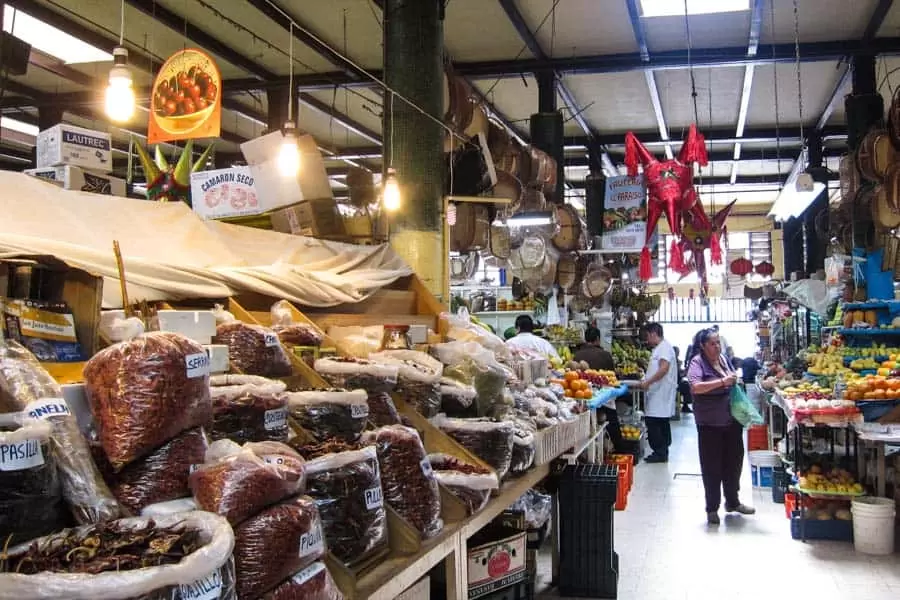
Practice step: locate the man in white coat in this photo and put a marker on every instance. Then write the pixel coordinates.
(660, 385)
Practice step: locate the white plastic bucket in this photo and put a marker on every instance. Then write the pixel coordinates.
(873, 525)
(762, 467)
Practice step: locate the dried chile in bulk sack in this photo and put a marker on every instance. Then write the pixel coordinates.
(276, 543)
(26, 386)
(407, 478)
(490, 441)
(289, 332)
(418, 381)
(146, 391)
(471, 484)
(30, 497)
(347, 489)
(357, 373)
(312, 583)
(248, 408)
(171, 557)
(523, 451)
(238, 482)
(457, 399)
(163, 474)
(331, 413)
(253, 349)
(382, 411)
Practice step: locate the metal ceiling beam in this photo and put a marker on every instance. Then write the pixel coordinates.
(761, 135)
(751, 156)
(752, 47)
(531, 42)
(725, 181)
(346, 122)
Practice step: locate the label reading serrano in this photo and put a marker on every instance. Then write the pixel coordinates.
(208, 588)
(276, 419)
(373, 498)
(312, 543)
(18, 456)
(197, 365)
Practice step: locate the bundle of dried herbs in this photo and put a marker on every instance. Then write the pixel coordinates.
(238, 482)
(247, 408)
(146, 391)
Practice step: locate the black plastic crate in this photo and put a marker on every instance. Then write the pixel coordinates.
(519, 591)
(781, 481)
(588, 564)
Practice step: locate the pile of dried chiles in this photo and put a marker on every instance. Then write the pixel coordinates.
(105, 547)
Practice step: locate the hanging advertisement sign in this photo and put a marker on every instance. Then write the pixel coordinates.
(625, 213)
(186, 98)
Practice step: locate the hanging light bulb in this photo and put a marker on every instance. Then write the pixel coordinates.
(390, 195)
(289, 154)
(119, 92)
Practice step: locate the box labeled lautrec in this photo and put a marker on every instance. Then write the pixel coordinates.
(65, 144)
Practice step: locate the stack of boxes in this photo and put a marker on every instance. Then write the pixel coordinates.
(77, 159)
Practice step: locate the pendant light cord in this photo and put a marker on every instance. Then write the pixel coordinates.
(122, 25)
(391, 148)
(290, 110)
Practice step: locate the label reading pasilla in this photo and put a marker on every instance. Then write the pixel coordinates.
(275, 419)
(359, 411)
(312, 542)
(208, 588)
(270, 340)
(18, 456)
(50, 407)
(373, 498)
(197, 365)
(426, 468)
(301, 577)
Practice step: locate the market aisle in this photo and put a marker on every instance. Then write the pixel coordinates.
(666, 550)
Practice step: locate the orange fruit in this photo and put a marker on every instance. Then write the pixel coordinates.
(570, 394)
(571, 375)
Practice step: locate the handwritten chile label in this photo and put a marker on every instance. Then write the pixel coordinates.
(312, 542)
(426, 468)
(276, 419)
(18, 456)
(373, 498)
(301, 577)
(271, 340)
(45, 409)
(197, 365)
(208, 588)
(359, 411)
(274, 459)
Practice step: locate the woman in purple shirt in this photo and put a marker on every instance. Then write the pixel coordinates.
(721, 438)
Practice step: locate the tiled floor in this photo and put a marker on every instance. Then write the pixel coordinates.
(666, 551)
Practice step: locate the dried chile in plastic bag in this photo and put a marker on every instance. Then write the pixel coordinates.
(490, 441)
(312, 583)
(146, 391)
(253, 349)
(26, 386)
(382, 411)
(248, 408)
(457, 399)
(330, 413)
(347, 489)
(298, 334)
(536, 506)
(358, 373)
(238, 482)
(276, 543)
(407, 478)
(162, 475)
(30, 497)
(418, 382)
(523, 452)
(471, 484)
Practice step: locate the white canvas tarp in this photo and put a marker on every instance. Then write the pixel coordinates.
(171, 254)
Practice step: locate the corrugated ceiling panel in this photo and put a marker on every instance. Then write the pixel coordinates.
(516, 98)
(363, 41)
(362, 106)
(820, 20)
(583, 27)
(719, 87)
(478, 30)
(46, 81)
(707, 31)
(621, 101)
(891, 25)
(818, 80)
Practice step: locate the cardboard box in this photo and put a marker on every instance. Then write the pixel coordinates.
(224, 193)
(76, 178)
(65, 144)
(496, 564)
(421, 590)
(318, 217)
(273, 189)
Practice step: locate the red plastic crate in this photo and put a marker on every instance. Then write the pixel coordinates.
(623, 489)
(758, 438)
(625, 462)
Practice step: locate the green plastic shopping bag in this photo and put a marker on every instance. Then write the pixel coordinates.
(742, 409)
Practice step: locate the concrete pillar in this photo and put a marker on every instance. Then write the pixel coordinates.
(413, 142)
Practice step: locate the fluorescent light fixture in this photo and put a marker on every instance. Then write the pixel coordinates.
(16, 125)
(49, 39)
(531, 219)
(676, 8)
(792, 203)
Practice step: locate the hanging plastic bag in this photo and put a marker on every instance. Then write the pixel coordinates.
(742, 409)
(553, 316)
(536, 506)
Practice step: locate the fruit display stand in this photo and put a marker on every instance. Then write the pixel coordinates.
(875, 438)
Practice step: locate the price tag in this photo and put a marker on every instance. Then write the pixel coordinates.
(426, 468)
(18, 456)
(373, 498)
(50, 407)
(312, 543)
(271, 340)
(274, 459)
(197, 365)
(208, 588)
(301, 577)
(276, 419)
(359, 411)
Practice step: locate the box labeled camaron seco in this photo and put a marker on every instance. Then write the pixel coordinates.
(65, 144)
